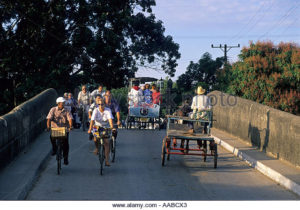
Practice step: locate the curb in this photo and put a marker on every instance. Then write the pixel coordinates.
(267, 171)
(28, 186)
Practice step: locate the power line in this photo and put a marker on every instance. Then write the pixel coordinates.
(250, 20)
(282, 18)
(258, 20)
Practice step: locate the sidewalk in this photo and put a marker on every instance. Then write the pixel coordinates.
(17, 178)
(279, 171)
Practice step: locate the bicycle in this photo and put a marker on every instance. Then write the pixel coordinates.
(59, 134)
(84, 117)
(113, 145)
(100, 134)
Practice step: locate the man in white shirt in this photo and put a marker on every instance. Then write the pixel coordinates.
(102, 117)
(135, 96)
(200, 103)
(98, 91)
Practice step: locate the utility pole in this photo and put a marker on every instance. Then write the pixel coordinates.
(226, 49)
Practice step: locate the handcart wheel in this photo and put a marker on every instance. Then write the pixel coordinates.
(163, 152)
(215, 155)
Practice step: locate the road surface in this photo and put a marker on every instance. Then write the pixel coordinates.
(137, 174)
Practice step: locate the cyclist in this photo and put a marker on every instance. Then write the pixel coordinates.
(102, 117)
(94, 105)
(113, 105)
(66, 96)
(98, 91)
(71, 105)
(84, 99)
(60, 117)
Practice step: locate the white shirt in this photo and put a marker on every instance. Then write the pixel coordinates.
(200, 102)
(84, 98)
(135, 96)
(96, 92)
(101, 118)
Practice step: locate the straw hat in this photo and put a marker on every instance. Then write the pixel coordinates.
(200, 90)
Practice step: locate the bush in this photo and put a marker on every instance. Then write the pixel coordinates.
(120, 95)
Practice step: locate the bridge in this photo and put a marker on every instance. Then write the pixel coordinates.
(259, 159)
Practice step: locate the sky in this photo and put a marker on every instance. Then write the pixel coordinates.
(197, 24)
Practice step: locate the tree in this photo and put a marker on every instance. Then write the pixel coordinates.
(64, 43)
(202, 73)
(269, 74)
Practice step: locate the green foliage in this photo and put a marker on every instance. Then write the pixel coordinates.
(268, 74)
(121, 95)
(201, 73)
(64, 43)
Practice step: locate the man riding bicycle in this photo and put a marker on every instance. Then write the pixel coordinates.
(111, 103)
(94, 105)
(98, 91)
(84, 99)
(102, 117)
(60, 117)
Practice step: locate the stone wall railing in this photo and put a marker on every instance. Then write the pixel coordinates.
(273, 131)
(21, 126)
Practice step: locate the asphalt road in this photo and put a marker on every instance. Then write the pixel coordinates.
(137, 174)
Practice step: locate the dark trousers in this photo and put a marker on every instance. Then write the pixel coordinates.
(65, 145)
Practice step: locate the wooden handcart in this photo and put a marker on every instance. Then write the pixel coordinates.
(189, 129)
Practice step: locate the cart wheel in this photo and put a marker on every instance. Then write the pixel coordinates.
(204, 150)
(163, 152)
(129, 122)
(215, 155)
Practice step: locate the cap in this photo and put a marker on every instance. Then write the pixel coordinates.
(60, 99)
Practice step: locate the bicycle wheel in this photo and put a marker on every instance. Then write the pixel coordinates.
(113, 149)
(163, 152)
(83, 120)
(58, 156)
(159, 124)
(215, 155)
(101, 156)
